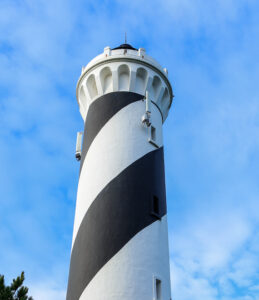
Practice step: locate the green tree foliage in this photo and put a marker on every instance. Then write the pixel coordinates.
(16, 291)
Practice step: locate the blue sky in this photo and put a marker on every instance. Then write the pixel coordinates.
(211, 135)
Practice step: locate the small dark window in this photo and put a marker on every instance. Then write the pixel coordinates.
(153, 133)
(156, 205)
(155, 209)
(158, 289)
(152, 136)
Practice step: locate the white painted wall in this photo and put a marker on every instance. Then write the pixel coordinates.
(129, 274)
(132, 71)
(120, 142)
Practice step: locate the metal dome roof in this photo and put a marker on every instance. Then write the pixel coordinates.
(125, 46)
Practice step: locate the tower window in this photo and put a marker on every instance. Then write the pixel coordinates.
(152, 136)
(157, 289)
(153, 133)
(155, 207)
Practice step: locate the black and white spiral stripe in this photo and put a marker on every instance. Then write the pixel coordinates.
(117, 242)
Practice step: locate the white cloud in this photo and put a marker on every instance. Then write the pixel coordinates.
(186, 286)
(215, 257)
(46, 292)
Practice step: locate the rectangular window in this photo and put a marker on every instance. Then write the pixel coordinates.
(155, 207)
(157, 289)
(152, 136)
(153, 133)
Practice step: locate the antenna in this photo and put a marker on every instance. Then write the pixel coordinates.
(125, 37)
(146, 118)
(79, 145)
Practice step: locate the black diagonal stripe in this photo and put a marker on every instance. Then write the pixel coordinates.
(120, 211)
(100, 112)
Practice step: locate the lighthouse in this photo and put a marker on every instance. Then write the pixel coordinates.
(120, 238)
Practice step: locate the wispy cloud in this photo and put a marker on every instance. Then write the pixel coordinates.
(47, 291)
(216, 258)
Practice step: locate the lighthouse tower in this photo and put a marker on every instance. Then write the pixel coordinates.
(120, 239)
